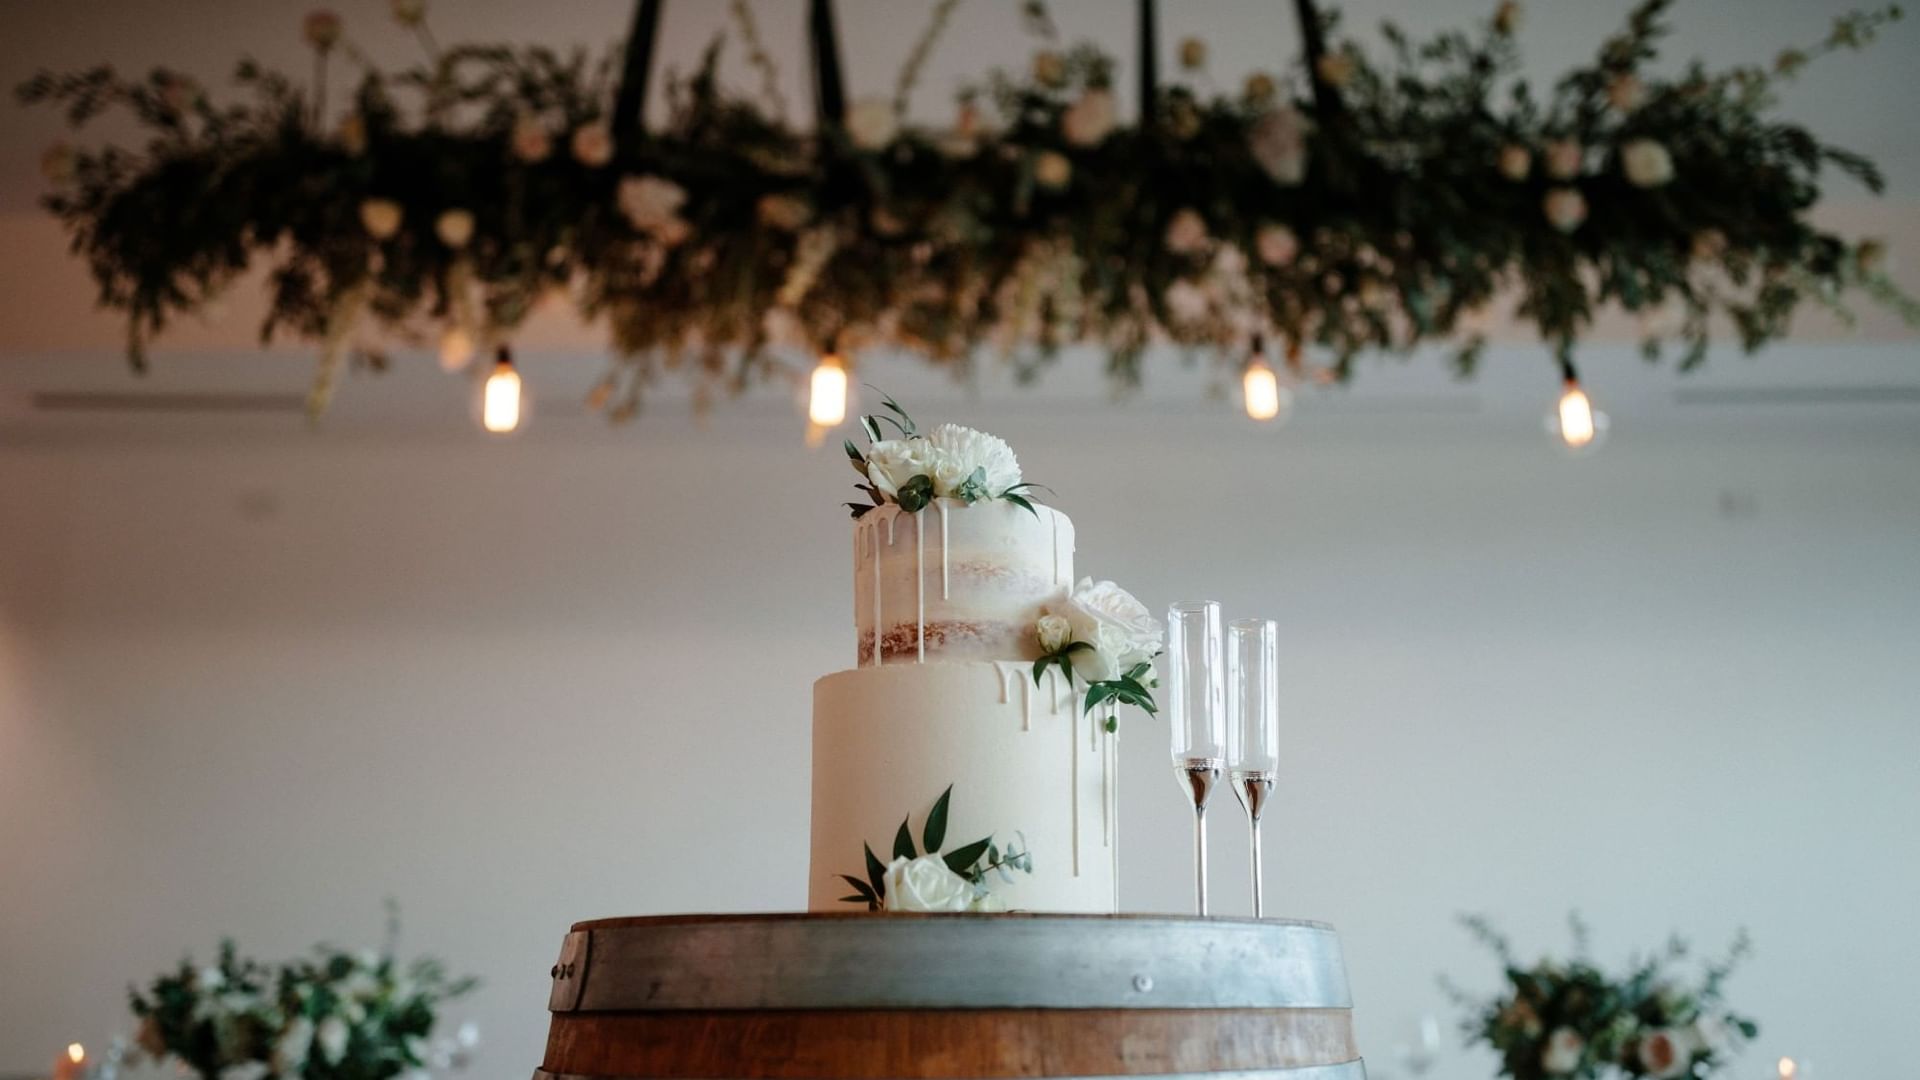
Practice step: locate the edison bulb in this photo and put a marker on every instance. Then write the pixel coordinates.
(827, 399)
(1575, 422)
(500, 403)
(76, 1053)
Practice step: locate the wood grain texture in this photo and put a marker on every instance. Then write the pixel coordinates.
(872, 1044)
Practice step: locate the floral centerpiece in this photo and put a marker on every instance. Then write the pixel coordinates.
(1101, 633)
(1367, 199)
(1571, 1019)
(933, 881)
(334, 1016)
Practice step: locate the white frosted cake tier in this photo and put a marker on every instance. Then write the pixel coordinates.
(1023, 762)
(956, 581)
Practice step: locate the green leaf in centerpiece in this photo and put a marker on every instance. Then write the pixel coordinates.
(915, 494)
(903, 843)
(905, 423)
(1021, 501)
(872, 429)
(1040, 668)
(855, 458)
(974, 487)
(934, 834)
(864, 893)
(876, 873)
(961, 860)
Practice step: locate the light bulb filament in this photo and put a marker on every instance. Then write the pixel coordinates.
(1261, 388)
(827, 398)
(500, 405)
(1576, 417)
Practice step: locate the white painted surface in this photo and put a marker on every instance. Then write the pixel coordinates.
(258, 679)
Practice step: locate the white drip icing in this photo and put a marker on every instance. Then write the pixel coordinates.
(1074, 790)
(1053, 519)
(1010, 674)
(876, 594)
(942, 508)
(920, 587)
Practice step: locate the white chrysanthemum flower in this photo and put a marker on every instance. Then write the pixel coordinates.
(963, 451)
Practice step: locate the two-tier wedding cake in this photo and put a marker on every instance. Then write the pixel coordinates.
(969, 760)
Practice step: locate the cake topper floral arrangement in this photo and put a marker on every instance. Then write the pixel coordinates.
(951, 882)
(1365, 199)
(952, 462)
(1572, 1020)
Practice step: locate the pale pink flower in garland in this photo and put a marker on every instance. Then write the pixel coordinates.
(1646, 163)
(649, 202)
(1566, 208)
(1088, 121)
(322, 29)
(1515, 162)
(530, 141)
(592, 145)
(1278, 143)
(1625, 92)
(1276, 245)
(454, 228)
(1187, 303)
(1564, 158)
(381, 218)
(1186, 232)
(1052, 170)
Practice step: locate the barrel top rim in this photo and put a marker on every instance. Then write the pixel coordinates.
(627, 922)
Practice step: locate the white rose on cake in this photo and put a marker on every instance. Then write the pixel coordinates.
(893, 462)
(1055, 633)
(962, 450)
(925, 884)
(1120, 628)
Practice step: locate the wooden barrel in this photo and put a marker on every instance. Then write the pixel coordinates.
(862, 997)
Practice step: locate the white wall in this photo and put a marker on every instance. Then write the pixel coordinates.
(252, 685)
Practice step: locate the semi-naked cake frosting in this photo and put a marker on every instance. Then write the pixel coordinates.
(955, 591)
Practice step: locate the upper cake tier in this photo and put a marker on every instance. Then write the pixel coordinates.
(956, 581)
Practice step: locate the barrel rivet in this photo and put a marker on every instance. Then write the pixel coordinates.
(555, 973)
(1143, 983)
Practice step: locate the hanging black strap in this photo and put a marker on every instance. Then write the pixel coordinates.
(1313, 43)
(630, 102)
(829, 94)
(1149, 62)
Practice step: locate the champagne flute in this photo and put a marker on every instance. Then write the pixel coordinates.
(1197, 716)
(1253, 725)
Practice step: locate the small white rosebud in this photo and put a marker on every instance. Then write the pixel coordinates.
(1055, 633)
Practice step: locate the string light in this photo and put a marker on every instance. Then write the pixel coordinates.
(76, 1053)
(500, 400)
(1789, 1068)
(827, 398)
(1261, 393)
(1574, 421)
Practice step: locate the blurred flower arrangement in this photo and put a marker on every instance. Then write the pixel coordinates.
(335, 1016)
(1356, 203)
(1570, 1019)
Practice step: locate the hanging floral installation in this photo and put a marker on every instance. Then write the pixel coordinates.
(1358, 203)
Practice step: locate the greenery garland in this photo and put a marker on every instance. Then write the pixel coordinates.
(450, 199)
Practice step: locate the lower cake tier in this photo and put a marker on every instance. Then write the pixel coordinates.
(1025, 766)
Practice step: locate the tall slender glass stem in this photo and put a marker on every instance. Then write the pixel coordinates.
(1200, 860)
(1259, 902)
